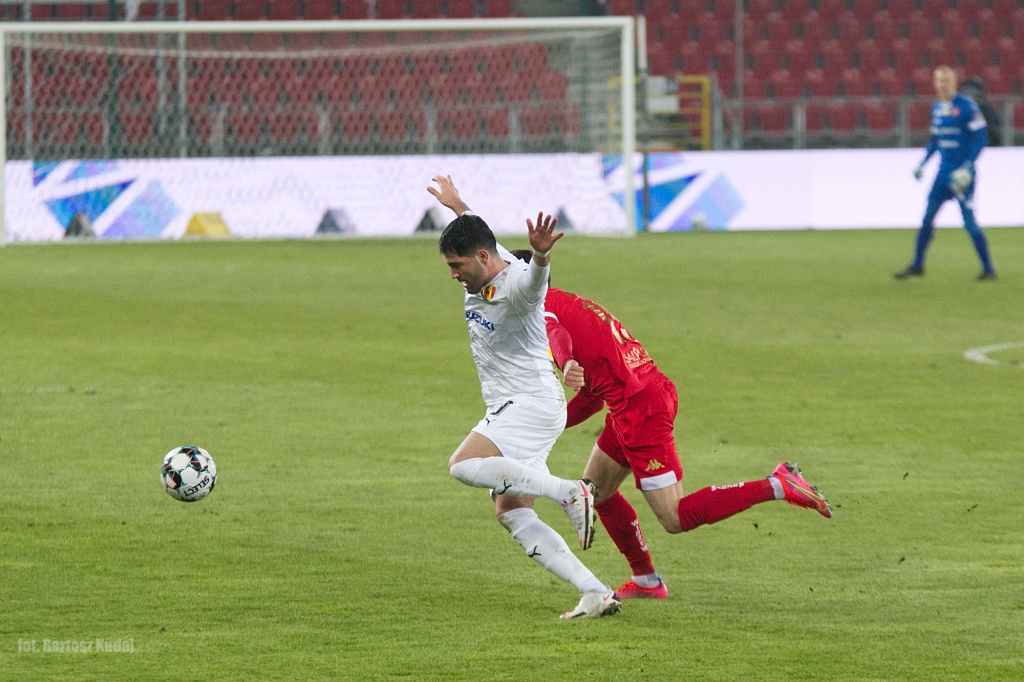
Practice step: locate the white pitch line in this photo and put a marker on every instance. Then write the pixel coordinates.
(980, 355)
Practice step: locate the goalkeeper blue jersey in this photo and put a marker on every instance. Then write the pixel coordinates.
(958, 133)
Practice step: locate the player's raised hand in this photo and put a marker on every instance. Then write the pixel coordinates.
(542, 236)
(572, 375)
(447, 195)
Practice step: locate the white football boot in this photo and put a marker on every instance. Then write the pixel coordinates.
(595, 605)
(579, 507)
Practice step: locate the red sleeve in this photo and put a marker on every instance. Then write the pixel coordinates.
(582, 407)
(559, 341)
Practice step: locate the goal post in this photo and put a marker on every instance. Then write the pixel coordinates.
(100, 118)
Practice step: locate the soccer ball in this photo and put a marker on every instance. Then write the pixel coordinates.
(188, 473)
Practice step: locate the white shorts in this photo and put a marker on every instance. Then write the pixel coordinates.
(524, 428)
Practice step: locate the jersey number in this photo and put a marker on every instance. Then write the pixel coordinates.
(618, 331)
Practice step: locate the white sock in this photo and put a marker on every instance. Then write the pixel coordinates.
(780, 494)
(650, 580)
(509, 477)
(547, 548)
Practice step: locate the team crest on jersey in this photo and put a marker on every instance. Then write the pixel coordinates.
(487, 293)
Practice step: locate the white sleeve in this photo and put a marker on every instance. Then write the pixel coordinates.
(506, 255)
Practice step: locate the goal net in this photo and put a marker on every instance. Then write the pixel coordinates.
(263, 129)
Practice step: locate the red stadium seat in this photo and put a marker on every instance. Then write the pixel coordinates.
(879, 117)
(815, 118)
(212, 10)
(497, 8)
(460, 9)
(245, 127)
(855, 83)
(390, 9)
(480, 89)
(515, 88)
(535, 121)
(496, 123)
(919, 116)
(459, 124)
(784, 84)
(94, 128)
(443, 89)
(137, 128)
(248, 10)
(890, 83)
(553, 85)
(356, 126)
(290, 126)
(843, 118)
(426, 9)
(772, 119)
(56, 128)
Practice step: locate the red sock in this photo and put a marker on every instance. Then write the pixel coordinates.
(711, 505)
(620, 520)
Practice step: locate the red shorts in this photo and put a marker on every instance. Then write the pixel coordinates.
(640, 436)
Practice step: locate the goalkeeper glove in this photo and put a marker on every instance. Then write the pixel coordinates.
(961, 178)
(917, 172)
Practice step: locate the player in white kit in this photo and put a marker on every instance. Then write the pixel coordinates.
(507, 450)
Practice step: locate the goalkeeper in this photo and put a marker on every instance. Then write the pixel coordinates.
(958, 134)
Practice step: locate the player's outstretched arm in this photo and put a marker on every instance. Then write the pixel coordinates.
(543, 237)
(447, 194)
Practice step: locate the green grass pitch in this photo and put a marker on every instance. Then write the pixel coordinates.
(331, 380)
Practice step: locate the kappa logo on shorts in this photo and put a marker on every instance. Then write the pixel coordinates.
(654, 465)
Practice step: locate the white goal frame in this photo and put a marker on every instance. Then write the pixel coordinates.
(625, 25)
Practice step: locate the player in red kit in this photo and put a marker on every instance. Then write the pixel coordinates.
(637, 437)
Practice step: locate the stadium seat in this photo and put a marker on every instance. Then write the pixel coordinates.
(426, 9)
(879, 117)
(93, 127)
(291, 127)
(248, 10)
(843, 119)
(322, 9)
(137, 128)
(783, 84)
(458, 124)
(245, 127)
(55, 128)
(553, 85)
(443, 89)
(212, 10)
(773, 120)
(855, 83)
(535, 121)
(495, 122)
(890, 83)
(815, 117)
(459, 9)
(356, 126)
(390, 9)
(919, 116)
(497, 9)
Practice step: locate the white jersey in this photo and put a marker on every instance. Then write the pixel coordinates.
(508, 336)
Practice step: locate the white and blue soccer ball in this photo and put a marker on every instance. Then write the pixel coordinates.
(188, 473)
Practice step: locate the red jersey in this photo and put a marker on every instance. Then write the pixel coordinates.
(615, 365)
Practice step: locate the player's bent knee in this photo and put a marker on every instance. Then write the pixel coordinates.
(671, 524)
(466, 470)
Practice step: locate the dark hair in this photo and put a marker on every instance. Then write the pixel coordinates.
(974, 88)
(465, 235)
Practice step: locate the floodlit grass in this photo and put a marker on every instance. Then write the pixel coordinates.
(331, 380)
